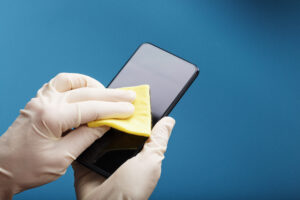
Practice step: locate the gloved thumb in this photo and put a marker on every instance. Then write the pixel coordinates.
(80, 139)
(160, 135)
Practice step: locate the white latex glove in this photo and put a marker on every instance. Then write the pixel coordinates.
(136, 178)
(36, 149)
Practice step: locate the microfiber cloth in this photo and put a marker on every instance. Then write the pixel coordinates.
(140, 122)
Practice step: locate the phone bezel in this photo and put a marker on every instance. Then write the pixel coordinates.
(184, 89)
(169, 109)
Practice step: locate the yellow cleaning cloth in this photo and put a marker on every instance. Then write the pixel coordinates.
(140, 122)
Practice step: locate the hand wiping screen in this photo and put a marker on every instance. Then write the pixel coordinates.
(140, 122)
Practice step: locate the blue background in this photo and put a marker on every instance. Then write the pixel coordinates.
(237, 134)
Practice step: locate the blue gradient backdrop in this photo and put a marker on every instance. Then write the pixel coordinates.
(237, 134)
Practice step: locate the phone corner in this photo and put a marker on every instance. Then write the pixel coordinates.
(144, 44)
(196, 69)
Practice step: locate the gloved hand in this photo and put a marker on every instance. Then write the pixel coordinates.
(36, 149)
(136, 178)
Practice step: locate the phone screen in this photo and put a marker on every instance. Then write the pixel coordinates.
(168, 76)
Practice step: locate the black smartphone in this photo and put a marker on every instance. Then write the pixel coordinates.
(168, 76)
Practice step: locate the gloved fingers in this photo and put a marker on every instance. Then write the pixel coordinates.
(100, 94)
(160, 135)
(76, 141)
(93, 110)
(69, 81)
(79, 170)
(85, 180)
(87, 111)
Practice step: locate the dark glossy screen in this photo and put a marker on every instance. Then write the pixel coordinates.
(168, 77)
(166, 74)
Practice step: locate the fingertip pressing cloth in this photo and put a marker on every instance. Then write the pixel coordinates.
(140, 122)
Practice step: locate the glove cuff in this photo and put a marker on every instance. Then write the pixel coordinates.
(7, 188)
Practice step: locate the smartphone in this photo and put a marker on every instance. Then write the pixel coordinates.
(169, 78)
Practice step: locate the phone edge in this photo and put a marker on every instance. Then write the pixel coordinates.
(170, 108)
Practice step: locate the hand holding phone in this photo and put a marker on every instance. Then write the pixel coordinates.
(136, 178)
